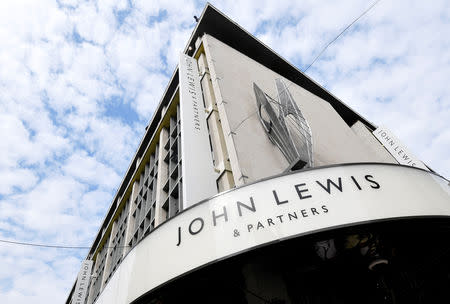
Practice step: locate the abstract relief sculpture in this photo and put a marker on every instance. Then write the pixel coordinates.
(285, 125)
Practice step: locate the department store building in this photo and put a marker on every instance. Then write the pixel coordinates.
(254, 184)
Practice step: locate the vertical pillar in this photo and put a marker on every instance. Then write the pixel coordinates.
(163, 175)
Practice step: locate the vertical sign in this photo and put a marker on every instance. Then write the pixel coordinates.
(199, 177)
(397, 148)
(79, 295)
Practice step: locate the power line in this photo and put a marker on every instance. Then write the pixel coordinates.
(253, 113)
(235, 129)
(52, 246)
(340, 34)
(315, 59)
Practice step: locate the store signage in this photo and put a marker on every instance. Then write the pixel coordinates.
(397, 149)
(197, 164)
(79, 294)
(269, 206)
(273, 210)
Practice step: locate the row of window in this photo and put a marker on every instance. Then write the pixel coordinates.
(137, 217)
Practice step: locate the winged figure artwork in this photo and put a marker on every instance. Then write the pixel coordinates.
(285, 125)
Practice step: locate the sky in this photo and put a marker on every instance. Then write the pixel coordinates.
(79, 81)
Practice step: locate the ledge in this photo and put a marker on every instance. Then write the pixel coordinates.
(272, 210)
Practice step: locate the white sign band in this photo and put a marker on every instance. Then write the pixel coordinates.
(84, 276)
(197, 165)
(275, 209)
(397, 149)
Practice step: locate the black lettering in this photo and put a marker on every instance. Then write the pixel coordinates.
(329, 183)
(224, 214)
(239, 205)
(304, 214)
(277, 200)
(324, 208)
(179, 236)
(299, 192)
(260, 225)
(280, 217)
(249, 227)
(270, 222)
(292, 215)
(356, 183)
(314, 211)
(374, 184)
(202, 223)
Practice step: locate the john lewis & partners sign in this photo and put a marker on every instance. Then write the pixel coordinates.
(273, 210)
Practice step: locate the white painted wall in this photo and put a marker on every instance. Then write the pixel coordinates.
(199, 177)
(157, 258)
(334, 142)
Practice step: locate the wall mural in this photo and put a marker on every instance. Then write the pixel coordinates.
(285, 125)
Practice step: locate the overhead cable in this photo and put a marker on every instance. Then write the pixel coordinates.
(52, 246)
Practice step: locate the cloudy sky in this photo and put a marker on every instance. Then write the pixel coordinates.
(79, 81)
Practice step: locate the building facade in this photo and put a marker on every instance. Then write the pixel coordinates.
(253, 184)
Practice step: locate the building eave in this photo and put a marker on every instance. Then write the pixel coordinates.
(215, 23)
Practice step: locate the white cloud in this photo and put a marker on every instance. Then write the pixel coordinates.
(30, 144)
(390, 67)
(150, 94)
(22, 179)
(111, 141)
(89, 170)
(77, 84)
(15, 139)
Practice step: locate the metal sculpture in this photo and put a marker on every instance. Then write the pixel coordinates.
(285, 125)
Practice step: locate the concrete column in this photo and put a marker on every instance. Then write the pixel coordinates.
(222, 165)
(131, 220)
(236, 175)
(108, 244)
(94, 271)
(163, 174)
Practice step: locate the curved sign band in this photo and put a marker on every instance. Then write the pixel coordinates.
(272, 210)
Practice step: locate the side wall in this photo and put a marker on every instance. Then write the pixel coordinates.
(333, 141)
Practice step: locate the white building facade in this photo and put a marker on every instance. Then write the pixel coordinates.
(253, 184)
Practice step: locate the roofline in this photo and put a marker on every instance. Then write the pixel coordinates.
(208, 20)
(154, 121)
(302, 79)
